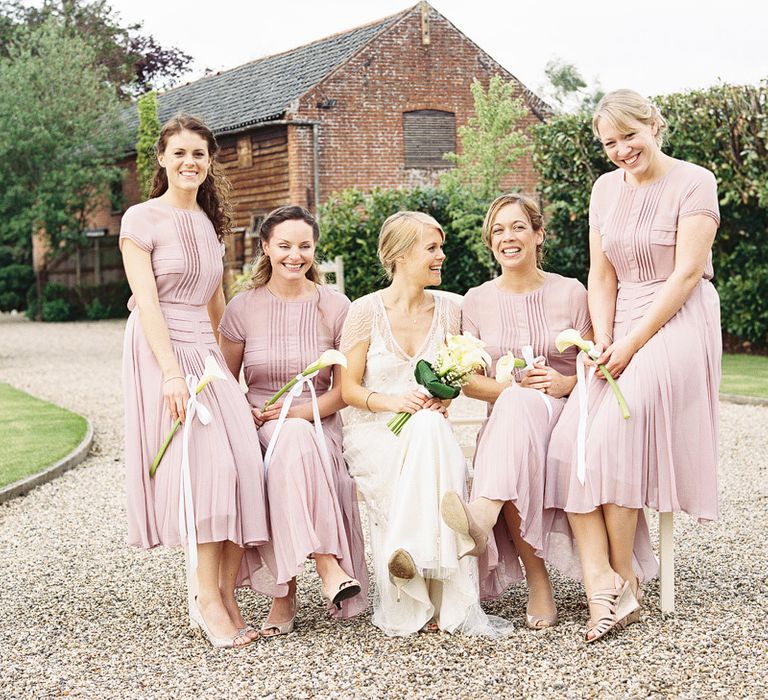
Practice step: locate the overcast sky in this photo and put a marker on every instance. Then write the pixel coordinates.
(654, 46)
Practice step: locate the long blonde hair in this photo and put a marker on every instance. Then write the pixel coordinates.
(622, 107)
(398, 235)
(261, 272)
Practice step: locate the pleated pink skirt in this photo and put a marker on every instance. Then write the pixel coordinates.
(313, 505)
(510, 464)
(225, 462)
(665, 455)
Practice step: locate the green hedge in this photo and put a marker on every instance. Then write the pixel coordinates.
(92, 302)
(350, 222)
(724, 129)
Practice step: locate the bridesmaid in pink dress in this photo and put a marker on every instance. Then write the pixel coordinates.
(273, 331)
(656, 318)
(525, 306)
(172, 249)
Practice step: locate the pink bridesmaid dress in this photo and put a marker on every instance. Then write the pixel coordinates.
(510, 459)
(665, 455)
(312, 504)
(226, 473)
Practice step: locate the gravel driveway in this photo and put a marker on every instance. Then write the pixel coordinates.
(83, 615)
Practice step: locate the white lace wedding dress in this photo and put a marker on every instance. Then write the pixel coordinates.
(403, 478)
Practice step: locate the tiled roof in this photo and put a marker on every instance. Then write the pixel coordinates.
(263, 89)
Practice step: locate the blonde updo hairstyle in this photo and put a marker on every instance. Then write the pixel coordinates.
(399, 234)
(622, 108)
(262, 266)
(531, 210)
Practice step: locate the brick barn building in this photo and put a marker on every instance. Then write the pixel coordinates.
(376, 106)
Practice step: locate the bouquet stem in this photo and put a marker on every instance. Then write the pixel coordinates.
(616, 391)
(164, 447)
(398, 421)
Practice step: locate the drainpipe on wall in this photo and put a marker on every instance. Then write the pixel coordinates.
(316, 167)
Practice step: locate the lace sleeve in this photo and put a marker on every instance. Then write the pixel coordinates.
(452, 317)
(358, 324)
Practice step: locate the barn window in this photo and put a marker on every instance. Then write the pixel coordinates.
(428, 134)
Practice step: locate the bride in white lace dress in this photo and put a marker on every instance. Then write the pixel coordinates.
(420, 581)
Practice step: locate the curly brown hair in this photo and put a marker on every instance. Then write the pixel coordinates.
(213, 194)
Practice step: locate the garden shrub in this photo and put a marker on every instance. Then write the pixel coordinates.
(57, 310)
(93, 302)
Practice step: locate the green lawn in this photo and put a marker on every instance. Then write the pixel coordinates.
(746, 375)
(33, 434)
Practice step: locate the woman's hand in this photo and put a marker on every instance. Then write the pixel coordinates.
(537, 378)
(409, 402)
(617, 356)
(270, 413)
(549, 381)
(175, 396)
(434, 404)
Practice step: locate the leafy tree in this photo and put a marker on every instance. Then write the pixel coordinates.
(568, 89)
(148, 133)
(61, 126)
(134, 61)
(491, 141)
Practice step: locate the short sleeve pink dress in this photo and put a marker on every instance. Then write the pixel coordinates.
(665, 455)
(510, 459)
(227, 474)
(312, 504)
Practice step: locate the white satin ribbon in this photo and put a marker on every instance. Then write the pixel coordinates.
(187, 528)
(530, 360)
(583, 380)
(298, 388)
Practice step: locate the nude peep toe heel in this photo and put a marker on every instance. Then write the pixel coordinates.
(401, 569)
(196, 621)
(457, 516)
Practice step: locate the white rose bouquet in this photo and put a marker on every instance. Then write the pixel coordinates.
(458, 358)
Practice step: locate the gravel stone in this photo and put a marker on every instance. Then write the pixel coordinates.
(85, 616)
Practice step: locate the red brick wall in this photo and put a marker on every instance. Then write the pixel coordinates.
(300, 166)
(104, 216)
(361, 137)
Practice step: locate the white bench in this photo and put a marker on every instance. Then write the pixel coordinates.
(333, 267)
(666, 520)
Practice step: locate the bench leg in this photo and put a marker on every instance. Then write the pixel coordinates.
(667, 564)
(191, 580)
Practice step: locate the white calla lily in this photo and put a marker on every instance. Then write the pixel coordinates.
(506, 366)
(211, 371)
(328, 358)
(570, 336)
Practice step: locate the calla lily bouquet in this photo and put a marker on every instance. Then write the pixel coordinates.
(211, 371)
(506, 366)
(459, 357)
(328, 358)
(570, 337)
